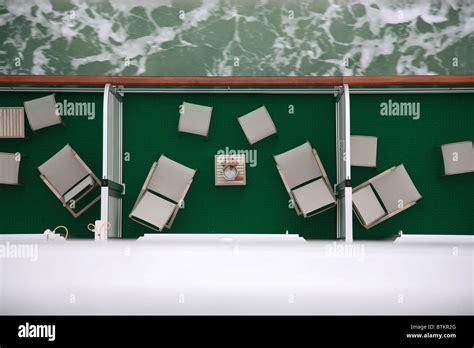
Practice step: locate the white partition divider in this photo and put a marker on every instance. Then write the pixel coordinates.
(343, 163)
(110, 224)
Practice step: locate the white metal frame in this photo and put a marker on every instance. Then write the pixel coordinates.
(116, 117)
(343, 165)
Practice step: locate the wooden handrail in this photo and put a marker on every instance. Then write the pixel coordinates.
(409, 80)
(270, 81)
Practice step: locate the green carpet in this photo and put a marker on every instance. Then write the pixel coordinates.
(447, 206)
(32, 207)
(150, 129)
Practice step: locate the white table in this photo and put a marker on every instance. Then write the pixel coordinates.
(231, 162)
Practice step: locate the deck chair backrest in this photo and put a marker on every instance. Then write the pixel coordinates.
(298, 165)
(195, 119)
(63, 170)
(396, 189)
(42, 112)
(458, 157)
(9, 168)
(171, 179)
(257, 125)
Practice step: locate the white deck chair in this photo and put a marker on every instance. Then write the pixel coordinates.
(363, 151)
(42, 112)
(305, 180)
(458, 158)
(396, 193)
(12, 122)
(162, 194)
(195, 119)
(257, 125)
(70, 179)
(9, 168)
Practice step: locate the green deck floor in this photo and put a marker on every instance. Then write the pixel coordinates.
(32, 207)
(447, 206)
(150, 129)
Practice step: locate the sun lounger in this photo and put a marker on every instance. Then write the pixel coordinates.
(305, 180)
(162, 194)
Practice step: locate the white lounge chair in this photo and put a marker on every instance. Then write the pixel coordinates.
(12, 122)
(195, 119)
(257, 125)
(458, 158)
(70, 179)
(42, 112)
(363, 151)
(9, 168)
(162, 194)
(305, 180)
(396, 193)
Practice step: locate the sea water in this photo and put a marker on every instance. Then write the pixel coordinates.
(237, 37)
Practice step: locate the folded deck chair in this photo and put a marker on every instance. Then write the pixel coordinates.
(363, 151)
(71, 180)
(162, 194)
(12, 122)
(384, 196)
(257, 125)
(9, 168)
(195, 119)
(305, 180)
(458, 158)
(42, 112)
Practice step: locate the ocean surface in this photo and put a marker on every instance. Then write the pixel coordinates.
(237, 37)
